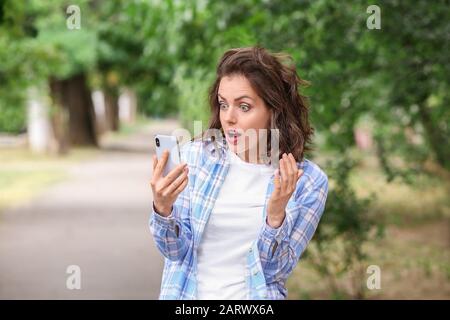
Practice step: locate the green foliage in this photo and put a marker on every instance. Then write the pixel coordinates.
(75, 50)
(139, 40)
(193, 98)
(413, 64)
(12, 95)
(12, 120)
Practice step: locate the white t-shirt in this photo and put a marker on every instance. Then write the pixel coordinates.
(233, 225)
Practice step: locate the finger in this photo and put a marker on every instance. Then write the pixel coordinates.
(161, 164)
(287, 170)
(276, 181)
(292, 163)
(283, 174)
(290, 172)
(181, 186)
(176, 183)
(294, 169)
(172, 175)
(155, 162)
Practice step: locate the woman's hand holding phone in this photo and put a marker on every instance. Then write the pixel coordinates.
(166, 189)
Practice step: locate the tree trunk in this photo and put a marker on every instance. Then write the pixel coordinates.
(133, 105)
(39, 125)
(127, 106)
(73, 96)
(437, 141)
(111, 109)
(59, 118)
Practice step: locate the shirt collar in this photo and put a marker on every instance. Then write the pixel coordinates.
(219, 144)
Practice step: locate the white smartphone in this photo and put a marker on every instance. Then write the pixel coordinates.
(170, 143)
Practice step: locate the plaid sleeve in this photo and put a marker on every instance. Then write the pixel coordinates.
(280, 248)
(173, 234)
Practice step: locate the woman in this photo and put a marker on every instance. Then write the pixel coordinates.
(233, 220)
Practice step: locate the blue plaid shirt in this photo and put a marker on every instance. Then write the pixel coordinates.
(272, 256)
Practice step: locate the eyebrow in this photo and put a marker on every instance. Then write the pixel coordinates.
(238, 98)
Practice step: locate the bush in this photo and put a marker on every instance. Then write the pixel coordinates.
(12, 117)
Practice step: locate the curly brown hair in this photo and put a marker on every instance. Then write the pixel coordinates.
(277, 83)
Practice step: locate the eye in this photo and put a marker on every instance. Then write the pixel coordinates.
(244, 107)
(222, 105)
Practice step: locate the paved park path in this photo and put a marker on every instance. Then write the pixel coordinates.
(97, 220)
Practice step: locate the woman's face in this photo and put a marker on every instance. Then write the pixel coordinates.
(243, 111)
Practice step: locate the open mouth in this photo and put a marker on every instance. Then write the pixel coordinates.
(233, 135)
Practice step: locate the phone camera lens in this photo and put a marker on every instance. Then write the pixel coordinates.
(157, 142)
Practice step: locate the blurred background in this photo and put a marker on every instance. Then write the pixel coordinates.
(84, 85)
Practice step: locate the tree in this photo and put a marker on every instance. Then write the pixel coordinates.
(68, 76)
(47, 51)
(413, 64)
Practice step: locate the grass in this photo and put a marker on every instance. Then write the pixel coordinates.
(24, 174)
(414, 255)
(18, 186)
(400, 204)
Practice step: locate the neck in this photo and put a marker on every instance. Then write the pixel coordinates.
(245, 156)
